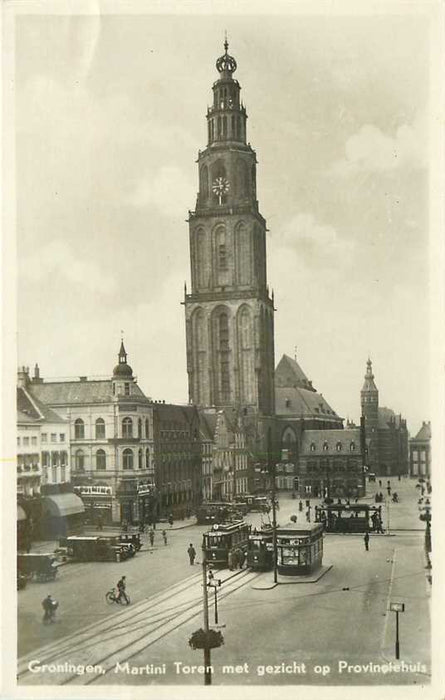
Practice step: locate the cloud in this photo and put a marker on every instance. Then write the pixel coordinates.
(306, 237)
(57, 259)
(168, 190)
(371, 150)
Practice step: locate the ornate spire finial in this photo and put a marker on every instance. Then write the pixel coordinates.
(226, 43)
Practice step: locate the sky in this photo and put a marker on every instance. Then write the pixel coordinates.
(110, 115)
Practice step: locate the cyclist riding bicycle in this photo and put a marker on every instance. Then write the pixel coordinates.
(121, 585)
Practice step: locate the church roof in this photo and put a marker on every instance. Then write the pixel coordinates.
(78, 392)
(331, 438)
(303, 403)
(424, 432)
(369, 384)
(289, 374)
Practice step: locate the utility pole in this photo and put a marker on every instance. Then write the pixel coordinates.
(387, 515)
(207, 662)
(274, 525)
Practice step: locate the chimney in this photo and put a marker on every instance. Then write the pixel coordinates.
(83, 379)
(36, 378)
(22, 377)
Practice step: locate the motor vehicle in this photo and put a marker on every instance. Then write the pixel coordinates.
(92, 548)
(260, 549)
(37, 567)
(133, 538)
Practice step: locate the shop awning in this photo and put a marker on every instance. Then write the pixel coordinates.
(61, 505)
(21, 515)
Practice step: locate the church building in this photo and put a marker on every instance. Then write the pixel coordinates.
(229, 312)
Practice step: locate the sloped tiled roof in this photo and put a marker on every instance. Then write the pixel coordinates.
(424, 432)
(26, 410)
(293, 401)
(77, 392)
(174, 413)
(289, 374)
(331, 437)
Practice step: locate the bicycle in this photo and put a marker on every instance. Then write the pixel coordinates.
(111, 597)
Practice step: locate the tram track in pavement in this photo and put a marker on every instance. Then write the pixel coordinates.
(119, 638)
(89, 632)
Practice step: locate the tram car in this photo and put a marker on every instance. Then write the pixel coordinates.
(260, 549)
(223, 538)
(299, 549)
(344, 517)
(217, 512)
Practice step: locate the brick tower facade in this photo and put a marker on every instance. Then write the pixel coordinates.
(229, 313)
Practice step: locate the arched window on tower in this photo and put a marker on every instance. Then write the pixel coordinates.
(221, 344)
(140, 428)
(242, 179)
(140, 460)
(246, 355)
(80, 460)
(201, 258)
(204, 182)
(147, 428)
(243, 250)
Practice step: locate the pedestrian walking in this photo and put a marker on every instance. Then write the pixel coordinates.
(308, 515)
(170, 519)
(151, 536)
(192, 554)
(380, 483)
(164, 536)
(366, 541)
(49, 606)
(300, 505)
(230, 560)
(241, 558)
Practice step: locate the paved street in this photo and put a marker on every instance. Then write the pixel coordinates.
(343, 617)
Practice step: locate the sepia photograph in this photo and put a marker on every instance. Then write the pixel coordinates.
(224, 275)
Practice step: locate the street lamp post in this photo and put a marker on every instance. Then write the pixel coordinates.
(207, 661)
(397, 608)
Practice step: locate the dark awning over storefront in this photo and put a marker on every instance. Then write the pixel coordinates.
(21, 515)
(63, 504)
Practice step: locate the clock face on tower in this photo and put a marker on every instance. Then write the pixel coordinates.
(220, 187)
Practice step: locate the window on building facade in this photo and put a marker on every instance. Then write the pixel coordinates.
(100, 429)
(18, 441)
(127, 389)
(325, 446)
(54, 475)
(140, 460)
(63, 474)
(63, 459)
(147, 428)
(80, 460)
(79, 429)
(139, 428)
(26, 440)
(127, 459)
(338, 447)
(127, 428)
(33, 441)
(44, 437)
(101, 460)
(147, 459)
(62, 437)
(45, 459)
(53, 437)
(352, 446)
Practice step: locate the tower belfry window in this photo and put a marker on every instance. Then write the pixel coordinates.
(222, 256)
